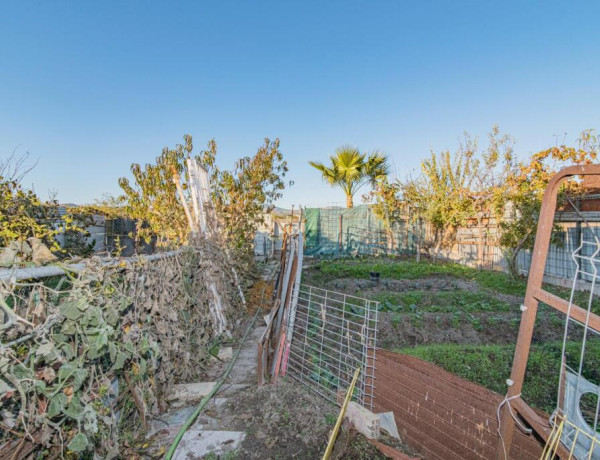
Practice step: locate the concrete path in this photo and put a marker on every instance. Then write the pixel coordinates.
(208, 435)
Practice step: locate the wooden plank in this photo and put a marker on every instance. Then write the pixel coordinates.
(540, 425)
(562, 305)
(391, 452)
(365, 421)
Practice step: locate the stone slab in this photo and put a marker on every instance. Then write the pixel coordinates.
(196, 444)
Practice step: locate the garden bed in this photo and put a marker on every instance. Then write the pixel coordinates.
(462, 319)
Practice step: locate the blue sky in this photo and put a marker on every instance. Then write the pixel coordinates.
(90, 87)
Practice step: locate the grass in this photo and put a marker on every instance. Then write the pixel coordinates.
(489, 365)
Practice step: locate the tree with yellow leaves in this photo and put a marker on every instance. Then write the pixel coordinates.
(525, 186)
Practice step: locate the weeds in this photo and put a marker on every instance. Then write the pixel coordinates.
(330, 419)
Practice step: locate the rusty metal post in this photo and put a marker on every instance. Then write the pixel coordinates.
(530, 305)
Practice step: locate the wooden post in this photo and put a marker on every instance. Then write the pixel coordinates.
(419, 236)
(480, 246)
(340, 235)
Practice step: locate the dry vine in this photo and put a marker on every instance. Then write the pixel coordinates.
(86, 357)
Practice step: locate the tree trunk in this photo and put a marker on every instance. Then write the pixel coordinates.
(513, 269)
(349, 202)
(390, 240)
(438, 243)
(480, 246)
(419, 236)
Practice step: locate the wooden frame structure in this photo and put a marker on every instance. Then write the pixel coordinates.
(535, 294)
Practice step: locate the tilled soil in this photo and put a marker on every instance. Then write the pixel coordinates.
(400, 330)
(281, 421)
(364, 287)
(287, 421)
(409, 329)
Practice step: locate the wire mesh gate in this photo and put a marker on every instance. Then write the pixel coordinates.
(334, 333)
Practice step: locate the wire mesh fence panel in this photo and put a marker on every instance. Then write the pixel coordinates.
(576, 419)
(565, 240)
(334, 333)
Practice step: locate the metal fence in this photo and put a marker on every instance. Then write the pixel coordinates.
(334, 334)
(339, 232)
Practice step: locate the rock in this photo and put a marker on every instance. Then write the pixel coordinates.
(197, 444)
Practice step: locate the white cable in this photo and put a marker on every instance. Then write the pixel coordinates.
(506, 401)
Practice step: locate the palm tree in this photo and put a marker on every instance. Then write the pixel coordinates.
(351, 169)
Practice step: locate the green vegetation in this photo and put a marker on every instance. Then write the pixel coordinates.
(350, 170)
(474, 184)
(330, 419)
(525, 186)
(441, 301)
(411, 270)
(26, 220)
(489, 365)
(240, 196)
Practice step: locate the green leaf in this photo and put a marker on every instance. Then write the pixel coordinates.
(70, 310)
(5, 388)
(74, 409)
(129, 347)
(93, 316)
(124, 303)
(57, 404)
(102, 339)
(4, 364)
(111, 315)
(78, 443)
(71, 370)
(40, 387)
(60, 338)
(120, 361)
(69, 327)
(112, 350)
(82, 304)
(21, 372)
(67, 351)
(66, 370)
(144, 346)
(143, 366)
(45, 349)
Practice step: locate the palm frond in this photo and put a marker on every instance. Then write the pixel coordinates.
(351, 169)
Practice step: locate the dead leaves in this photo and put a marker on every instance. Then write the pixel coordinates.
(47, 374)
(150, 320)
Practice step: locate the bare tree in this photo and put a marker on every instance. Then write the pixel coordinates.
(16, 166)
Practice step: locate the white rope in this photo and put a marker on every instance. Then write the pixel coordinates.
(507, 401)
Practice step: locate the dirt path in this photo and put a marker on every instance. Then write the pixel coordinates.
(245, 421)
